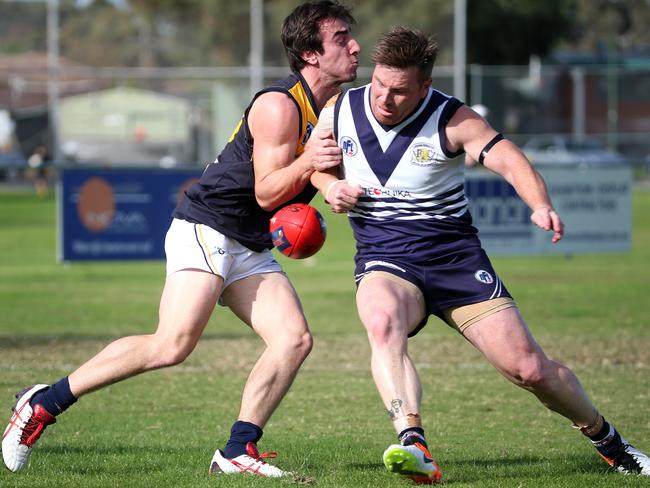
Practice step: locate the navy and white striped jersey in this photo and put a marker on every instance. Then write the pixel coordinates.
(414, 199)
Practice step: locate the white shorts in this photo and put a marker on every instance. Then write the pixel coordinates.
(197, 246)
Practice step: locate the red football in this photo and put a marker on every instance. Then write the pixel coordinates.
(298, 230)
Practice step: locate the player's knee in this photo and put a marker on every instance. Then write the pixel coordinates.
(305, 344)
(171, 352)
(301, 342)
(171, 357)
(531, 374)
(298, 348)
(381, 328)
(176, 356)
(293, 345)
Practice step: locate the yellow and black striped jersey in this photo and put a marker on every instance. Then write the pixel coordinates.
(224, 196)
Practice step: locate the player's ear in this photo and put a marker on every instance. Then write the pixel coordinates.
(310, 57)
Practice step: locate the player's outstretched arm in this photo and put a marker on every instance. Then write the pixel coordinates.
(510, 162)
(471, 132)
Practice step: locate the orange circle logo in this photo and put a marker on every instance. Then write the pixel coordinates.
(96, 205)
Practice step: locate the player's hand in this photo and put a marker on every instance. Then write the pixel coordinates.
(323, 151)
(342, 196)
(546, 218)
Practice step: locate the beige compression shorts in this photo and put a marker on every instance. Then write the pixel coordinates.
(461, 317)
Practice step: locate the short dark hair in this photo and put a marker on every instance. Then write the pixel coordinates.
(301, 28)
(404, 48)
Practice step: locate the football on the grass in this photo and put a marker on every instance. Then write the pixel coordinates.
(298, 230)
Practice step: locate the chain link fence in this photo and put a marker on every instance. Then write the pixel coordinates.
(183, 116)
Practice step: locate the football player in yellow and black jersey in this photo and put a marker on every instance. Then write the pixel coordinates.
(218, 249)
(225, 197)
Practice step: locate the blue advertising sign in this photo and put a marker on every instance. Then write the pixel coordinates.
(117, 214)
(594, 203)
(124, 214)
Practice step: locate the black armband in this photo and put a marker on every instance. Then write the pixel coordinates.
(488, 146)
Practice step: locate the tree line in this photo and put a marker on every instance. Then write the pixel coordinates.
(171, 33)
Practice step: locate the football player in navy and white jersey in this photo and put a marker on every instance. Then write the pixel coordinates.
(218, 248)
(418, 254)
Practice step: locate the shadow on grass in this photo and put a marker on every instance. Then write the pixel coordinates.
(365, 467)
(526, 467)
(514, 467)
(131, 459)
(22, 342)
(114, 449)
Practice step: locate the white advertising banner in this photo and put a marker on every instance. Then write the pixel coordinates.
(595, 205)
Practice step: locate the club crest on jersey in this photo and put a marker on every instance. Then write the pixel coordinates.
(423, 154)
(348, 146)
(308, 131)
(484, 277)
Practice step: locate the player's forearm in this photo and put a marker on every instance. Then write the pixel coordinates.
(507, 160)
(322, 180)
(280, 186)
(530, 186)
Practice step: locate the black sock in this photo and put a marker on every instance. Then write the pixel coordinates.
(241, 433)
(602, 434)
(607, 440)
(56, 399)
(412, 435)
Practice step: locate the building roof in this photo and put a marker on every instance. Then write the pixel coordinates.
(24, 79)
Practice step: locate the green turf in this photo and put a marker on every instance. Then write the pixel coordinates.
(160, 429)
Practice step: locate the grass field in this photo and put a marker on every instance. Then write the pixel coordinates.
(160, 429)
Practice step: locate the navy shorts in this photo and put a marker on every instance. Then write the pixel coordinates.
(462, 277)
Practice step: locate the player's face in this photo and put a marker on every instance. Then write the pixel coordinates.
(340, 57)
(395, 92)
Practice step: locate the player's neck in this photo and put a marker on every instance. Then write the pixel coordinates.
(322, 87)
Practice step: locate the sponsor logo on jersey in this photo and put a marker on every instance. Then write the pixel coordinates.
(424, 154)
(308, 131)
(386, 192)
(484, 277)
(348, 146)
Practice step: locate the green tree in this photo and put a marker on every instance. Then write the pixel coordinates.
(196, 32)
(22, 27)
(433, 17)
(217, 32)
(621, 23)
(509, 31)
(100, 35)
